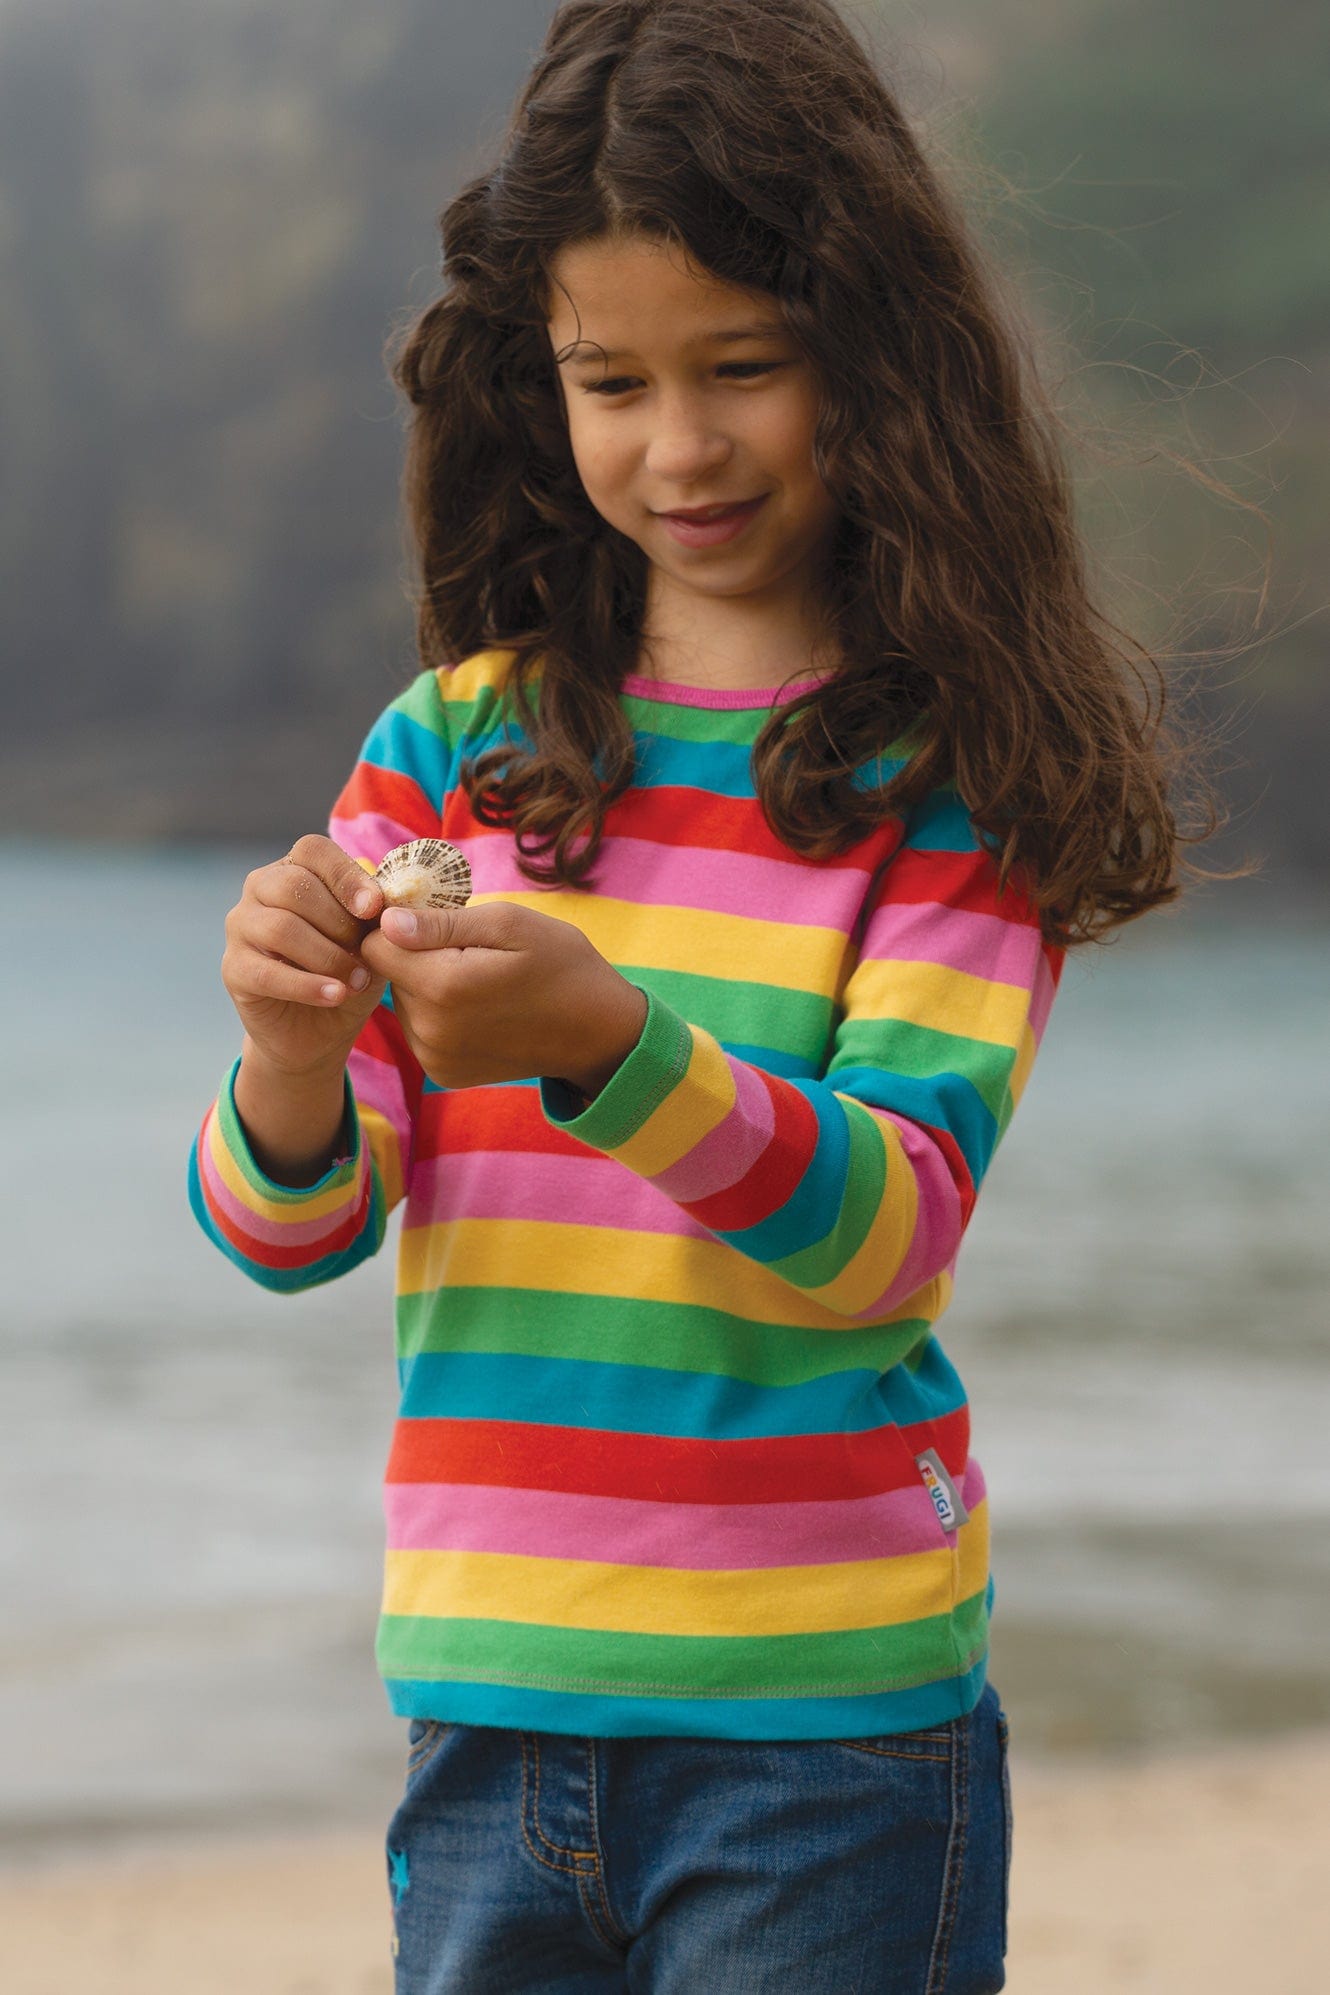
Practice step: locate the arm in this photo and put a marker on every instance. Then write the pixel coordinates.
(294, 1179)
(856, 1188)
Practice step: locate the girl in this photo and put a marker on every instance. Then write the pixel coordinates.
(762, 690)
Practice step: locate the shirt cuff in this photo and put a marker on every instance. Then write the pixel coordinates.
(634, 1090)
(342, 1170)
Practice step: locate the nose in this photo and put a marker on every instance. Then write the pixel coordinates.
(685, 445)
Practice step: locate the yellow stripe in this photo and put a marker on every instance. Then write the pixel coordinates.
(459, 684)
(876, 1263)
(661, 1600)
(728, 946)
(1020, 1073)
(386, 1150)
(942, 999)
(691, 1110)
(335, 1199)
(543, 1254)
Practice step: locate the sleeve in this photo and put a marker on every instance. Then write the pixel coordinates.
(295, 1237)
(855, 1188)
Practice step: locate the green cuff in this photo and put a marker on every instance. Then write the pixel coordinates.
(634, 1091)
(342, 1170)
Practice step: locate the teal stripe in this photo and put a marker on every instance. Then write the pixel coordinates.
(865, 1182)
(634, 1399)
(291, 1281)
(594, 1714)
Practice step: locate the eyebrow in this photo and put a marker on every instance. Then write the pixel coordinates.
(731, 334)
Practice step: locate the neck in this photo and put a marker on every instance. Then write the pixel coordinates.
(725, 644)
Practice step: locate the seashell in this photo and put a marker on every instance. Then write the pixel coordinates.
(429, 872)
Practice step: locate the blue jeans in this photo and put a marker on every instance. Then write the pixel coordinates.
(539, 1861)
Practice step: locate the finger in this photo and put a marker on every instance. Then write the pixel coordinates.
(276, 931)
(294, 886)
(352, 885)
(493, 925)
(249, 973)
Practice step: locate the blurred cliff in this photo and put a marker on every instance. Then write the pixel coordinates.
(214, 212)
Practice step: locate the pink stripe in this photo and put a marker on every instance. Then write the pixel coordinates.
(268, 1231)
(729, 1150)
(1041, 998)
(649, 873)
(687, 1537)
(369, 834)
(512, 1184)
(983, 945)
(716, 696)
(937, 1226)
(377, 1084)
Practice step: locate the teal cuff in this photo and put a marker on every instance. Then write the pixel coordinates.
(636, 1088)
(342, 1170)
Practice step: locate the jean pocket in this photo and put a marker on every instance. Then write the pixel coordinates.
(423, 1739)
(932, 1742)
(1005, 1767)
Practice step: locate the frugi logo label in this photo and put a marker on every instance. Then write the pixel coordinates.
(941, 1489)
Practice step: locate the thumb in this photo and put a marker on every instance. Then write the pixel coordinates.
(489, 926)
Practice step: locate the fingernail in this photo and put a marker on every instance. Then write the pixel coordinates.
(403, 923)
(363, 902)
(358, 979)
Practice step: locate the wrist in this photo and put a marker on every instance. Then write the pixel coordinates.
(314, 1079)
(621, 1028)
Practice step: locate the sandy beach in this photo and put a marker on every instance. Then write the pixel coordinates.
(1202, 1874)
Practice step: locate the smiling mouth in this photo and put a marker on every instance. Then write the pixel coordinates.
(700, 514)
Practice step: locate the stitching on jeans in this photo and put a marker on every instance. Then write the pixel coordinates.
(615, 1929)
(889, 1752)
(953, 1864)
(575, 1868)
(609, 1940)
(426, 1747)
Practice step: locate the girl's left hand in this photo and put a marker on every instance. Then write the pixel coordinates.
(500, 992)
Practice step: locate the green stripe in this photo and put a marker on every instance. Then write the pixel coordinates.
(421, 703)
(671, 1336)
(865, 1182)
(738, 725)
(851, 1661)
(787, 1021)
(923, 1053)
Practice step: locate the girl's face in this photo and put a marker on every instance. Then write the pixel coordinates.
(705, 401)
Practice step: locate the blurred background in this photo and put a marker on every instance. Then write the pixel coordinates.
(213, 214)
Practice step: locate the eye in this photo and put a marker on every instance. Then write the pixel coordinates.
(743, 370)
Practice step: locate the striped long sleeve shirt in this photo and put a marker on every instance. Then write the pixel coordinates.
(678, 1448)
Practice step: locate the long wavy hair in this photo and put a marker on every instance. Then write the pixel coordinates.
(758, 137)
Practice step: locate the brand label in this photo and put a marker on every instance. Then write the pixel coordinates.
(946, 1497)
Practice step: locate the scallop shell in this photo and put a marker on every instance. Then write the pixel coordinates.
(426, 873)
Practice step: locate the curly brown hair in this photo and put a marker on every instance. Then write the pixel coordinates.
(758, 137)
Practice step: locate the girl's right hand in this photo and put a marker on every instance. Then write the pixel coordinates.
(292, 950)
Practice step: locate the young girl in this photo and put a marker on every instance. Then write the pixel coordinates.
(762, 691)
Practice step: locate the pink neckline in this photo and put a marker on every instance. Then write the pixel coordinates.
(715, 696)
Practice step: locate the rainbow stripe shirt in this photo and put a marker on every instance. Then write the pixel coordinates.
(678, 1450)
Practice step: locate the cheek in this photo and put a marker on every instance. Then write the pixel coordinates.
(601, 459)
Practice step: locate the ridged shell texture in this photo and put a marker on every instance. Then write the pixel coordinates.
(429, 872)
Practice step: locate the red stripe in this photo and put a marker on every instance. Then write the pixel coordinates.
(490, 1118)
(389, 793)
(656, 1468)
(266, 1256)
(673, 814)
(775, 1175)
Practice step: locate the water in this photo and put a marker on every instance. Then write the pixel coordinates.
(191, 1538)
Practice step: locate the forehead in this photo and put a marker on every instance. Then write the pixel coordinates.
(627, 294)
